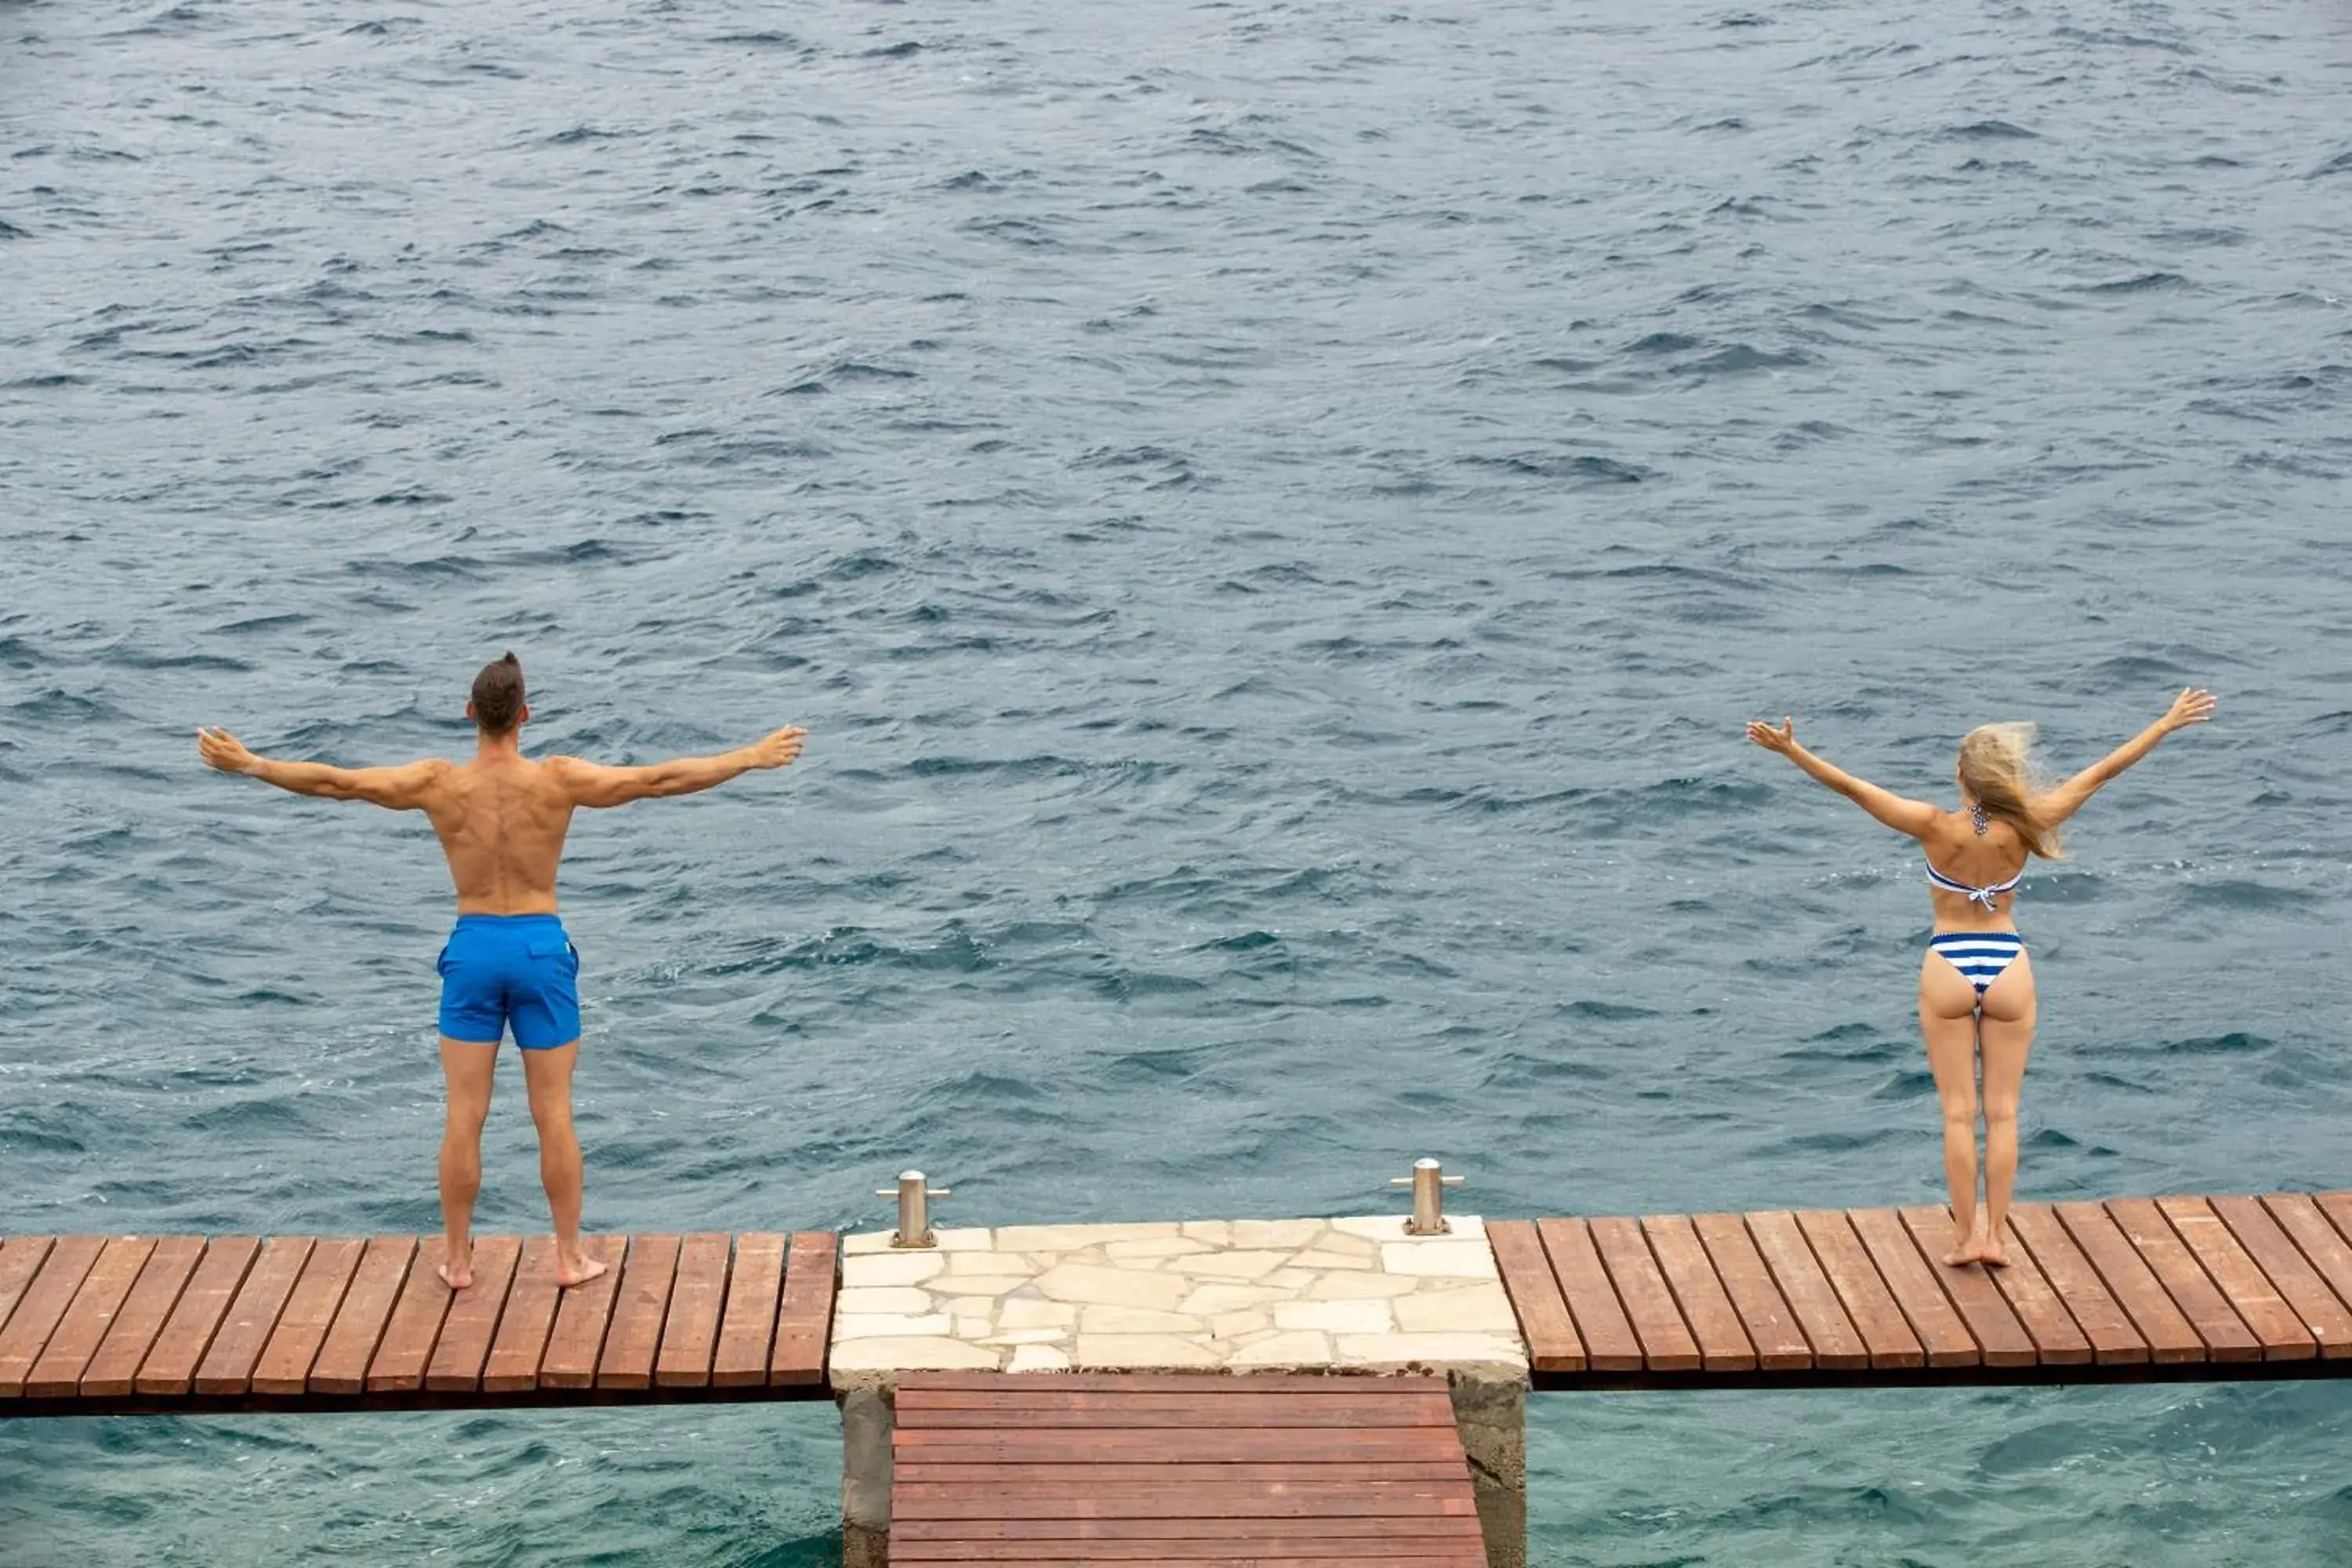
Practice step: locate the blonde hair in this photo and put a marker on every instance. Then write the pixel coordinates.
(1997, 770)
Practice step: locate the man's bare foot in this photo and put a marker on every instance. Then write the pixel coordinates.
(457, 1276)
(571, 1272)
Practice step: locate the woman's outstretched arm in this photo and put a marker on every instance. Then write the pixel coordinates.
(1912, 816)
(2192, 707)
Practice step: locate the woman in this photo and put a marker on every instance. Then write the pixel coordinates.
(1976, 983)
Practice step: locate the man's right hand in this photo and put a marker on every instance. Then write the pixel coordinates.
(224, 751)
(780, 750)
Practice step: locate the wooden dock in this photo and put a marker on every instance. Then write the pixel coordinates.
(1271, 1472)
(1364, 1397)
(2132, 1290)
(114, 1325)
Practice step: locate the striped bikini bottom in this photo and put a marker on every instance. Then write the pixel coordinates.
(1981, 956)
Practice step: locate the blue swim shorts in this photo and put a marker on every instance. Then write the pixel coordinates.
(518, 970)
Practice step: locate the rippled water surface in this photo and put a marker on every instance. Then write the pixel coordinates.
(1274, 515)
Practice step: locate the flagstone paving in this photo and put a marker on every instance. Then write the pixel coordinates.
(1307, 1295)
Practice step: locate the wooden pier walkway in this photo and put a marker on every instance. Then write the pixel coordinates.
(2132, 1290)
(113, 1325)
(1270, 1471)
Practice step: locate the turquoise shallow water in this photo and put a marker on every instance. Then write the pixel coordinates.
(1274, 515)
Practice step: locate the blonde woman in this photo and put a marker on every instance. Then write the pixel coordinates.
(1976, 983)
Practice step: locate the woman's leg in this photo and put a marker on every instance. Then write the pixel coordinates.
(1948, 1022)
(2008, 1035)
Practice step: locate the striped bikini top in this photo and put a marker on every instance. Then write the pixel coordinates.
(1985, 896)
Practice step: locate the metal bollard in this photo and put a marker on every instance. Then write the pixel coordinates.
(1428, 1182)
(913, 1193)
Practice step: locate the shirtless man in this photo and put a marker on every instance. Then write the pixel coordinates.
(501, 819)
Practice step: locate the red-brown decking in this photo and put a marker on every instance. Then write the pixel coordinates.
(111, 1325)
(1100, 1469)
(2131, 1290)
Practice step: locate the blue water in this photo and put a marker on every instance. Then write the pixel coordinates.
(1274, 515)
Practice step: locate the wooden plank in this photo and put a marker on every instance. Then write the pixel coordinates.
(285, 1365)
(805, 1314)
(2143, 1225)
(1117, 1471)
(691, 1334)
(1296, 1553)
(1393, 1445)
(582, 1317)
(2328, 1254)
(2000, 1338)
(1274, 1412)
(21, 1257)
(473, 1319)
(1796, 1274)
(1609, 1342)
(2337, 1207)
(754, 1293)
(1886, 1333)
(88, 1317)
(1442, 1526)
(637, 1313)
(2170, 1336)
(1535, 1298)
(1350, 1384)
(42, 1307)
(2251, 1292)
(1237, 1402)
(530, 1316)
(1764, 1318)
(2041, 1310)
(1371, 1499)
(358, 1325)
(1911, 1279)
(227, 1366)
(1667, 1345)
(1343, 1498)
(2114, 1337)
(1317, 1549)
(2301, 1288)
(985, 1485)
(171, 1366)
(415, 1328)
(1699, 1294)
(143, 1313)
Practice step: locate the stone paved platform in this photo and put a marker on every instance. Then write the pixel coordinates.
(1306, 1295)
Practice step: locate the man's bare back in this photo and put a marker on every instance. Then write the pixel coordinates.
(502, 819)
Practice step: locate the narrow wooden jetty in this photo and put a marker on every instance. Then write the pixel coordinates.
(2132, 1289)
(1269, 1392)
(116, 1325)
(1266, 1470)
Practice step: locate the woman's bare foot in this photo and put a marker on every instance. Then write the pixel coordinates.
(579, 1271)
(1989, 1254)
(1964, 1250)
(457, 1276)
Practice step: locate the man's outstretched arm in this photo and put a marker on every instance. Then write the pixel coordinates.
(396, 789)
(595, 784)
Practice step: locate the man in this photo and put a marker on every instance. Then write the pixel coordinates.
(501, 819)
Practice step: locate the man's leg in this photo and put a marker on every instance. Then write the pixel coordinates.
(548, 1074)
(470, 1066)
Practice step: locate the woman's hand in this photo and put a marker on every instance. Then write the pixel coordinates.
(2192, 707)
(1782, 740)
